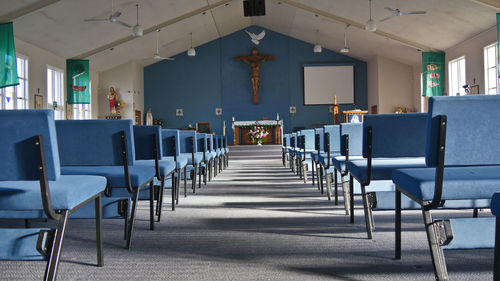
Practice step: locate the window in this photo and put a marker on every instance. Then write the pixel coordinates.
(490, 69)
(456, 70)
(83, 111)
(55, 91)
(16, 97)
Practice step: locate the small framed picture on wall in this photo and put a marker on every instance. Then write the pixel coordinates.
(38, 101)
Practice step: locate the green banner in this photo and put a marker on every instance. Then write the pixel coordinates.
(8, 64)
(498, 49)
(433, 74)
(77, 81)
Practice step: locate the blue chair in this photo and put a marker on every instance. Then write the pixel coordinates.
(213, 155)
(350, 146)
(495, 210)
(463, 163)
(390, 142)
(188, 148)
(226, 152)
(31, 183)
(149, 152)
(171, 148)
(218, 151)
(207, 157)
(328, 147)
(307, 147)
(106, 148)
(318, 144)
(284, 149)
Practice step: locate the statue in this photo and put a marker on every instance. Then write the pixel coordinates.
(254, 61)
(113, 100)
(149, 118)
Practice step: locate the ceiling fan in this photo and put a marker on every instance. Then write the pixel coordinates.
(113, 18)
(156, 55)
(397, 12)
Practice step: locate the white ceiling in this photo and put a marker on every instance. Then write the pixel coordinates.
(59, 27)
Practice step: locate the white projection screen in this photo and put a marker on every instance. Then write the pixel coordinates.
(322, 82)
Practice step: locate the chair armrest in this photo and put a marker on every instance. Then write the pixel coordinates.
(44, 182)
(438, 182)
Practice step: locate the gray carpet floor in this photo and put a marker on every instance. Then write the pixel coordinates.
(255, 221)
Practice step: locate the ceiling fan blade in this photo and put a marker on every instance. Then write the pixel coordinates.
(387, 18)
(414, 13)
(390, 9)
(122, 23)
(169, 58)
(96, 20)
(115, 15)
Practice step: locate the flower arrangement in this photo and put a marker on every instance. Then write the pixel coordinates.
(258, 133)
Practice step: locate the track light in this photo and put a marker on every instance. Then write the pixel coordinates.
(317, 47)
(191, 51)
(370, 24)
(346, 48)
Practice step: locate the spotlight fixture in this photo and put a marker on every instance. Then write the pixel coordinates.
(346, 48)
(370, 24)
(191, 51)
(317, 47)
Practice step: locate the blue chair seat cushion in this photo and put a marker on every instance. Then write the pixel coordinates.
(114, 174)
(338, 161)
(468, 182)
(382, 167)
(65, 193)
(181, 161)
(210, 155)
(315, 156)
(226, 150)
(166, 166)
(198, 157)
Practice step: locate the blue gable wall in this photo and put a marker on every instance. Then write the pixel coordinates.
(214, 79)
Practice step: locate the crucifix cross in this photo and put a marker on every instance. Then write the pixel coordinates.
(254, 61)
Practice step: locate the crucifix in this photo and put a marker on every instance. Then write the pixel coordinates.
(254, 61)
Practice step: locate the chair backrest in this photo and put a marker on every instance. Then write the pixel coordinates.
(17, 144)
(210, 142)
(319, 139)
(216, 142)
(170, 142)
(225, 141)
(293, 140)
(334, 131)
(309, 139)
(186, 138)
(395, 135)
(202, 142)
(472, 130)
(221, 141)
(94, 142)
(286, 140)
(144, 137)
(355, 132)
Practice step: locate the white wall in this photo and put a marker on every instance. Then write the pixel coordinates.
(38, 59)
(372, 69)
(472, 49)
(390, 84)
(128, 81)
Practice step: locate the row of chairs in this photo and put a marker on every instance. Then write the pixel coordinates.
(444, 159)
(56, 170)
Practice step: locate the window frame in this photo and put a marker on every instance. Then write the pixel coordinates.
(488, 68)
(23, 81)
(461, 90)
(59, 111)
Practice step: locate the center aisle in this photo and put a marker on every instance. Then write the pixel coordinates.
(254, 221)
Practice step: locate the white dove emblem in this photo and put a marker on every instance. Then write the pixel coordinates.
(256, 37)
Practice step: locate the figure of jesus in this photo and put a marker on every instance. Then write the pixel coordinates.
(113, 98)
(255, 62)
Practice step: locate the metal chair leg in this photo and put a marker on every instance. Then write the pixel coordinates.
(185, 181)
(335, 178)
(397, 254)
(368, 213)
(55, 253)
(351, 195)
(320, 179)
(328, 179)
(496, 263)
(98, 231)
(312, 171)
(131, 222)
(151, 206)
(437, 255)
(346, 190)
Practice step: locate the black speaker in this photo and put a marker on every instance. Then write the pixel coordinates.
(252, 8)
